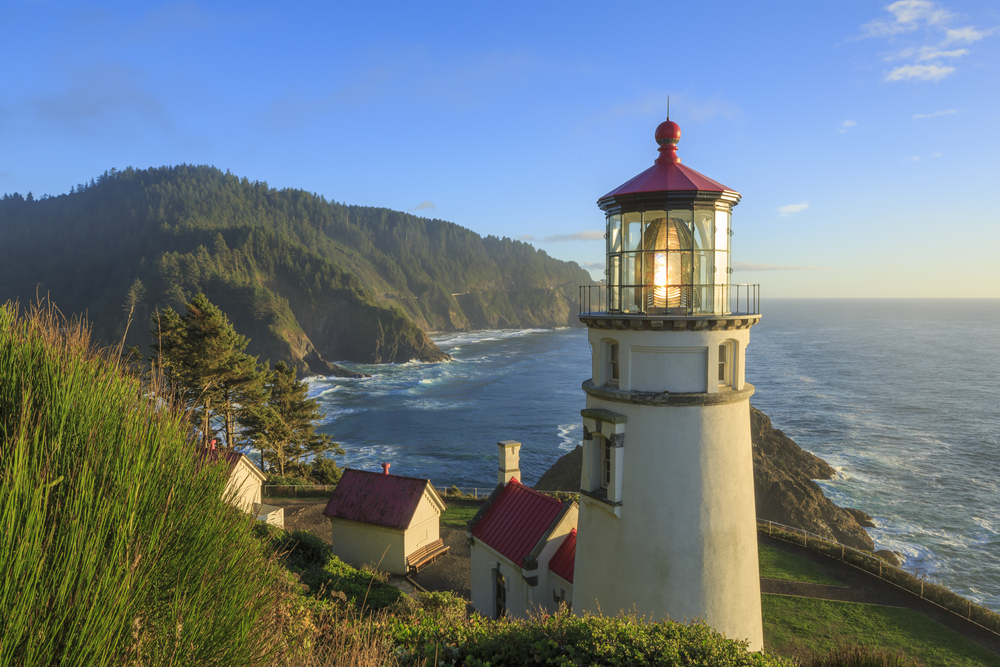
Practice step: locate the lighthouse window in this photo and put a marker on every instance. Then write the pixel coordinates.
(605, 465)
(725, 364)
(613, 365)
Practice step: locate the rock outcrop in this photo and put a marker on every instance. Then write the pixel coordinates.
(783, 484)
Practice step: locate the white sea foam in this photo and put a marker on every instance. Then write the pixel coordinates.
(569, 436)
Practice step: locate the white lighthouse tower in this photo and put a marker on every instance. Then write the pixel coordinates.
(667, 525)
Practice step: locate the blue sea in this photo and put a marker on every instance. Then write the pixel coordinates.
(900, 396)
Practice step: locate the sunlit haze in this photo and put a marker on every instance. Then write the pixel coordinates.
(862, 135)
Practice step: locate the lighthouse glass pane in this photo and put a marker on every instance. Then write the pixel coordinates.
(654, 230)
(631, 279)
(633, 230)
(722, 230)
(614, 264)
(703, 224)
(704, 278)
(614, 233)
(680, 234)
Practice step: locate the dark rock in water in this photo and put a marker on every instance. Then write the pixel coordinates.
(864, 519)
(315, 364)
(893, 558)
(785, 492)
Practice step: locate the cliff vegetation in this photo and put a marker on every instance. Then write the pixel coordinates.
(307, 280)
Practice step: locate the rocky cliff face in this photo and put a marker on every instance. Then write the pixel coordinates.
(785, 492)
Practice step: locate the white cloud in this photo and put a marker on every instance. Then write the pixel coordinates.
(846, 124)
(747, 266)
(943, 112)
(575, 236)
(922, 31)
(526, 237)
(908, 15)
(966, 35)
(919, 72)
(936, 154)
(913, 158)
(423, 206)
(593, 266)
(931, 54)
(789, 209)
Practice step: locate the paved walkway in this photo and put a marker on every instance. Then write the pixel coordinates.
(860, 586)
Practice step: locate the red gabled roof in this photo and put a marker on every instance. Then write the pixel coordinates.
(216, 455)
(516, 520)
(564, 558)
(667, 177)
(376, 498)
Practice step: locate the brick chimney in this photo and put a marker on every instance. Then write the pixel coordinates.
(510, 459)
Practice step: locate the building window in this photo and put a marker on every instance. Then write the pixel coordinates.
(725, 364)
(613, 366)
(499, 594)
(605, 463)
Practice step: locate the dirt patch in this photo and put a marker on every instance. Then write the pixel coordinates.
(454, 571)
(305, 514)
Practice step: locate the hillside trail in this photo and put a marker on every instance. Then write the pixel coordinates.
(453, 573)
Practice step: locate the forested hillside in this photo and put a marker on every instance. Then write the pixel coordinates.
(306, 279)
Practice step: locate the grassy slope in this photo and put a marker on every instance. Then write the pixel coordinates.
(793, 625)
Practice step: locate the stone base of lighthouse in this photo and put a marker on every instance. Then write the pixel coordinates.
(667, 525)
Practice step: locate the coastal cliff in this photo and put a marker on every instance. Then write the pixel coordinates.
(783, 485)
(306, 279)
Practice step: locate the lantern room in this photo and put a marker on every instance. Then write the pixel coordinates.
(668, 232)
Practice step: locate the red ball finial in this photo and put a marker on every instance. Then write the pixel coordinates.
(668, 133)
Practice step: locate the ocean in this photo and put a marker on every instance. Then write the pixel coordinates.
(900, 396)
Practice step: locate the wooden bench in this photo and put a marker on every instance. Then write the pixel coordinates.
(426, 555)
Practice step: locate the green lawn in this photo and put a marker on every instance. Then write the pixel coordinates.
(777, 564)
(456, 516)
(792, 625)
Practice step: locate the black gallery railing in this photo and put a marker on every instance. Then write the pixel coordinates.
(678, 301)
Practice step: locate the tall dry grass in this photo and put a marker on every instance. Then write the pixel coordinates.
(115, 550)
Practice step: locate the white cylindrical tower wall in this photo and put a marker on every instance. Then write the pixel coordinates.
(674, 533)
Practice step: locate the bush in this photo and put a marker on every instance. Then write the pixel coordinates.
(305, 550)
(570, 641)
(445, 607)
(324, 470)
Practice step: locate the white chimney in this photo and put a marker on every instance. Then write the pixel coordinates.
(509, 461)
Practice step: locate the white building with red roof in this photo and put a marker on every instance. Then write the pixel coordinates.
(244, 486)
(389, 521)
(515, 536)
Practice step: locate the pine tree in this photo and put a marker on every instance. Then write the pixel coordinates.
(284, 428)
(204, 360)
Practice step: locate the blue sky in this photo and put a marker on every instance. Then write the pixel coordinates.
(862, 135)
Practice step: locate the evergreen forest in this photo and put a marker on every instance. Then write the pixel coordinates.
(308, 281)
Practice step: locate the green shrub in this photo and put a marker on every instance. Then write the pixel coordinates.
(444, 606)
(569, 641)
(324, 470)
(117, 548)
(361, 590)
(304, 549)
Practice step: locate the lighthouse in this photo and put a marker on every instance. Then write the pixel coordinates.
(666, 520)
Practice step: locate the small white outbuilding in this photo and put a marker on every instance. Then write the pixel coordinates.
(244, 486)
(389, 521)
(523, 547)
